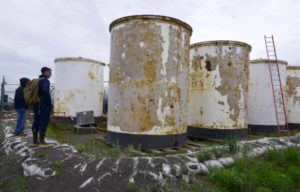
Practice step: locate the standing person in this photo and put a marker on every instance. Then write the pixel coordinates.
(42, 110)
(20, 106)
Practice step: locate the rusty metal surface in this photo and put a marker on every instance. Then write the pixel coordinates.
(293, 94)
(151, 18)
(148, 75)
(266, 61)
(218, 84)
(78, 86)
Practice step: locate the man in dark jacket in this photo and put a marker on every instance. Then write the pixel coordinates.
(20, 106)
(42, 110)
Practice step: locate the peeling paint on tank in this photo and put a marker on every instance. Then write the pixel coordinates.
(218, 69)
(149, 86)
(291, 85)
(73, 94)
(293, 94)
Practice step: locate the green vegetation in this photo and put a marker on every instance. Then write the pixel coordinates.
(19, 185)
(203, 155)
(97, 148)
(54, 132)
(58, 168)
(41, 154)
(232, 144)
(275, 171)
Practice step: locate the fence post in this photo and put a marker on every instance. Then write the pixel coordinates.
(2, 94)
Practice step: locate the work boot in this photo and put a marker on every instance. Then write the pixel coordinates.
(35, 137)
(42, 137)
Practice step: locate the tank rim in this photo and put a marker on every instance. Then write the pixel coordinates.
(264, 61)
(78, 59)
(150, 17)
(293, 67)
(220, 42)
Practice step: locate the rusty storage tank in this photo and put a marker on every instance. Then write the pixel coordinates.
(261, 107)
(148, 81)
(218, 85)
(293, 96)
(78, 87)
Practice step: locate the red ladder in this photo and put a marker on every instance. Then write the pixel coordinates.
(278, 95)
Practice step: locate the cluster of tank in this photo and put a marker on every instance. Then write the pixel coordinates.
(162, 89)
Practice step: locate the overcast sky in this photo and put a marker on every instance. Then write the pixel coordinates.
(35, 32)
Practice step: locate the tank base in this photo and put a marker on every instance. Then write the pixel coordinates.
(209, 133)
(294, 126)
(264, 129)
(146, 141)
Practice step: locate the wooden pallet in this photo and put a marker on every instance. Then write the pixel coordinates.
(78, 129)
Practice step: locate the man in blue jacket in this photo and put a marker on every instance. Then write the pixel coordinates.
(20, 106)
(42, 110)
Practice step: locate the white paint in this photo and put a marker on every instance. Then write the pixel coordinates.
(293, 101)
(166, 169)
(142, 44)
(87, 182)
(83, 168)
(78, 87)
(261, 109)
(99, 164)
(106, 174)
(165, 54)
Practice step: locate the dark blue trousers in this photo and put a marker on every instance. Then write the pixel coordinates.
(41, 117)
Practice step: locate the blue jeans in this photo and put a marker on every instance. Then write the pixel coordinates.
(21, 120)
(41, 117)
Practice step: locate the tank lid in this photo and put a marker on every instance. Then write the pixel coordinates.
(293, 67)
(260, 61)
(78, 59)
(150, 17)
(221, 42)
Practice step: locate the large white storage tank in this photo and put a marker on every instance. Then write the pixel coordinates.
(218, 85)
(261, 107)
(293, 96)
(148, 81)
(78, 86)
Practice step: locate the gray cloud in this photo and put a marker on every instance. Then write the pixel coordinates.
(34, 32)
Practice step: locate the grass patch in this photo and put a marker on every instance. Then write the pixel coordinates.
(54, 132)
(58, 168)
(18, 185)
(275, 171)
(232, 144)
(98, 148)
(203, 155)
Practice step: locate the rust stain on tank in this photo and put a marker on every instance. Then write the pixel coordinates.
(221, 102)
(91, 75)
(291, 85)
(234, 73)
